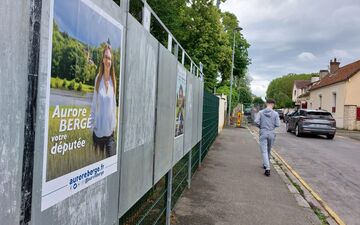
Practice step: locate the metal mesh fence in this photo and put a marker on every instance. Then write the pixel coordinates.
(151, 208)
(210, 121)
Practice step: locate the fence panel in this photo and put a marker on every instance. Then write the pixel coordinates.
(210, 121)
(139, 114)
(189, 115)
(165, 124)
(13, 97)
(179, 140)
(98, 203)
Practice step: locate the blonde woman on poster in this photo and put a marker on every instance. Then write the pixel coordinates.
(103, 107)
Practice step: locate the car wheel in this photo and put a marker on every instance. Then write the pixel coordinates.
(287, 127)
(297, 131)
(330, 136)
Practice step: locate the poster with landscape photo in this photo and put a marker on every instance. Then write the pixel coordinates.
(180, 101)
(83, 99)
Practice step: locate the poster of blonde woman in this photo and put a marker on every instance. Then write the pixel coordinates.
(180, 101)
(83, 99)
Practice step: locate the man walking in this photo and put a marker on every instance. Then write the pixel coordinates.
(267, 120)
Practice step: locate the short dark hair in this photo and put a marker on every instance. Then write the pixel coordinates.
(270, 101)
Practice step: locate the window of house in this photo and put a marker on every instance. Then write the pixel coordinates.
(320, 100)
(294, 93)
(358, 114)
(333, 110)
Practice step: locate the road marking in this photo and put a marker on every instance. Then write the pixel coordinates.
(331, 212)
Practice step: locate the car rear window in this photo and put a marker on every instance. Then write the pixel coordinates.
(319, 114)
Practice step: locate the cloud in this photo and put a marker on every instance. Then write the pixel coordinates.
(306, 56)
(290, 36)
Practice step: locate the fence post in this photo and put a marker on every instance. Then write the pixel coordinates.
(189, 169)
(168, 196)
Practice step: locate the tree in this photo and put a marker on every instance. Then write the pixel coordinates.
(205, 34)
(241, 57)
(258, 101)
(245, 95)
(226, 91)
(285, 84)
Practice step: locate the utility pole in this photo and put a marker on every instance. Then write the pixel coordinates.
(232, 73)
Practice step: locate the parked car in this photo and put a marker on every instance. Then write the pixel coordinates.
(281, 113)
(288, 115)
(318, 122)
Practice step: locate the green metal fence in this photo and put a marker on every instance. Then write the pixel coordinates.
(210, 121)
(151, 208)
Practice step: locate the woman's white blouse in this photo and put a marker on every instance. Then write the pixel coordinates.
(103, 110)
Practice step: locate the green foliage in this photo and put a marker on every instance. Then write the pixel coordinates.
(57, 82)
(205, 33)
(241, 57)
(258, 101)
(72, 85)
(281, 88)
(245, 95)
(79, 88)
(64, 84)
(226, 91)
(72, 59)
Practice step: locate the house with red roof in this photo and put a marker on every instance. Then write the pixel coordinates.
(338, 91)
(300, 92)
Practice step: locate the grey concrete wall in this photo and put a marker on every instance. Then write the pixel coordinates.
(166, 103)
(139, 114)
(14, 27)
(189, 114)
(98, 203)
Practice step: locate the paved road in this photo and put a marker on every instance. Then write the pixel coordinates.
(330, 167)
(65, 97)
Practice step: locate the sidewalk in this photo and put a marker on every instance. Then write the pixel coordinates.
(230, 188)
(353, 134)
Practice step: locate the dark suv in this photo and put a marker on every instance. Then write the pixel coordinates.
(312, 122)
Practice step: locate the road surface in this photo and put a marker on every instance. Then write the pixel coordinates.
(330, 167)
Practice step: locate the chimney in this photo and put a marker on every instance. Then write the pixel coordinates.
(323, 74)
(334, 66)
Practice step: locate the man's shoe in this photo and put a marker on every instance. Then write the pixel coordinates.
(267, 173)
(264, 167)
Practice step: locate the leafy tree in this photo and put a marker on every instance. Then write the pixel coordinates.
(241, 57)
(205, 33)
(258, 101)
(245, 95)
(284, 85)
(226, 91)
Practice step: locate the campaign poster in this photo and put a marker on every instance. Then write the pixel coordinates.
(81, 124)
(180, 101)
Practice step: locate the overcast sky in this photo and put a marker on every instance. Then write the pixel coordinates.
(296, 36)
(77, 19)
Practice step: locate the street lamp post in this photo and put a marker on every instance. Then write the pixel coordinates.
(232, 73)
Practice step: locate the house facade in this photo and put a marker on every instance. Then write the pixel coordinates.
(300, 87)
(339, 93)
